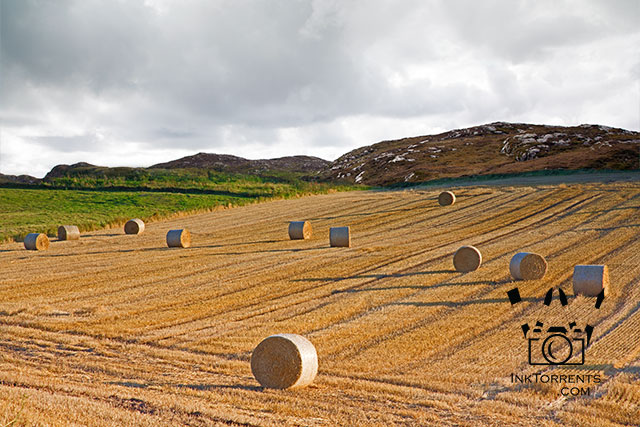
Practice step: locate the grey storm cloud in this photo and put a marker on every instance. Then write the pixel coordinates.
(196, 75)
(68, 143)
(239, 61)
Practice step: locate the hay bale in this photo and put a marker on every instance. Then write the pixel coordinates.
(340, 237)
(36, 242)
(134, 226)
(284, 361)
(179, 238)
(527, 266)
(466, 259)
(299, 230)
(446, 198)
(68, 232)
(590, 280)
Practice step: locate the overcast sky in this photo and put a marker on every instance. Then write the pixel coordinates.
(140, 82)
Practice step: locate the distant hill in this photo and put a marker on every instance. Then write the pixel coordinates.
(300, 166)
(234, 164)
(19, 179)
(496, 148)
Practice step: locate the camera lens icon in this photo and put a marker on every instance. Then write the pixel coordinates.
(557, 349)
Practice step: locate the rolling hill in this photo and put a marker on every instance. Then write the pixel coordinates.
(204, 161)
(18, 179)
(496, 148)
(228, 163)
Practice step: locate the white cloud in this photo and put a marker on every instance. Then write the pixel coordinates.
(136, 83)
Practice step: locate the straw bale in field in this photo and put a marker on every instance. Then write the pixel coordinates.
(36, 242)
(134, 226)
(299, 230)
(527, 266)
(340, 237)
(466, 259)
(284, 361)
(178, 238)
(590, 280)
(68, 232)
(446, 198)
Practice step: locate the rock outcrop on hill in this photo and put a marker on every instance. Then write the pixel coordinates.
(496, 148)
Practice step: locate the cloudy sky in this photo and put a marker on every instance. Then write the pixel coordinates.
(139, 82)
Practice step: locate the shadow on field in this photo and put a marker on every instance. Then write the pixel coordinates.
(438, 285)
(258, 242)
(270, 250)
(130, 384)
(615, 209)
(372, 276)
(366, 213)
(166, 248)
(462, 303)
(109, 252)
(609, 228)
(206, 387)
(200, 387)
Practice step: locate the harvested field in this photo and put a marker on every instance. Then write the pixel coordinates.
(121, 330)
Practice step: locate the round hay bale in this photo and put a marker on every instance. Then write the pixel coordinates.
(179, 238)
(590, 280)
(299, 230)
(284, 361)
(466, 259)
(36, 242)
(340, 237)
(527, 266)
(446, 198)
(134, 226)
(68, 232)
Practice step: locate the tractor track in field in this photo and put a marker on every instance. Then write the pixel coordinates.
(413, 269)
(362, 272)
(446, 311)
(250, 273)
(165, 335)
(481, 335)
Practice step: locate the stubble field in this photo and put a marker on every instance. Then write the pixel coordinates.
(121, 330)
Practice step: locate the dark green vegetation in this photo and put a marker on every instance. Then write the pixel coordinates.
(537, 177)
(200, 181)
(95, 197)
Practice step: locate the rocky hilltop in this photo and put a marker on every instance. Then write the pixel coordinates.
(496, 148)
(228, 163)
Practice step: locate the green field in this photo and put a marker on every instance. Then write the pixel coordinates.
(196, 180)
(93, 201)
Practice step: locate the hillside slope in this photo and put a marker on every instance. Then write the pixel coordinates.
(229, 163)
(18, 179)
(496, 148)
(223, 163)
